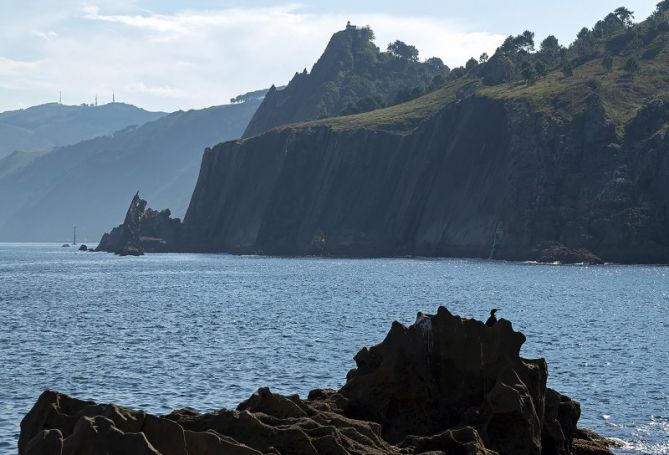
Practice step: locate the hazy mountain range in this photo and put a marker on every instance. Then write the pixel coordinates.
(40, 128)
(88, 184)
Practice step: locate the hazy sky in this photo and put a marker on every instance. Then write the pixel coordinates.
(169, 54)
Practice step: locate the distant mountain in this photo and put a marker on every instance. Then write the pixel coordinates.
(89, 184)
(17, 160)
(351, 76)
(41, 128)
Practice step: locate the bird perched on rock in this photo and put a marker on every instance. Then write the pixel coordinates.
(492, 320)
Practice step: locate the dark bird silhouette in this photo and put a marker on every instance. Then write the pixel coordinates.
(492, 320)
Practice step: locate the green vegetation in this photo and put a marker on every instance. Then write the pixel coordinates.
(622, 63)
(352, 76)
(403, 51)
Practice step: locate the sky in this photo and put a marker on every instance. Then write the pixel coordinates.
(173, 54)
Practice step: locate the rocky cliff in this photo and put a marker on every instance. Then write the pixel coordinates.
(351, 75)
(443, 385)
(480, 177)
(572, 167)
(142, 229)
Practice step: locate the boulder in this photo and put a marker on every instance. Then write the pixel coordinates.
(552, 252)
(587, 442)
(448, 372)
(444, 385)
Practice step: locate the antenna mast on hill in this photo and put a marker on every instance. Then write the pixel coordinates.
(113, 97)
(74, 239)
(60, 97)
(96, 101)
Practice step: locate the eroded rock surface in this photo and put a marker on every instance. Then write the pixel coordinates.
(142, 230)
(444, 385)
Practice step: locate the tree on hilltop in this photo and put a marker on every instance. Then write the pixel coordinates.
(625, 16)
(436, 63)
(523, 43)
(403, 51)
(471, 64)
(529, 73)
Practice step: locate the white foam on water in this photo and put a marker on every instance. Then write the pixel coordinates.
(640, 444)
(642, 447)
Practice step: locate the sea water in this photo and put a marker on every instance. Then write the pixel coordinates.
(167, 331)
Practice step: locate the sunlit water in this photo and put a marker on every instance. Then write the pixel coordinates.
(167, 331)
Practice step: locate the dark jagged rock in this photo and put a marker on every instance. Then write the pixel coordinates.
(83, 247)
(443, 385)
(142, 230)
(446, 372)
(587, 442)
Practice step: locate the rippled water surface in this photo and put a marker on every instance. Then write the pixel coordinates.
(166, 331)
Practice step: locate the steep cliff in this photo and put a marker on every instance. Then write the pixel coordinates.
(572, 167)
(352, 74)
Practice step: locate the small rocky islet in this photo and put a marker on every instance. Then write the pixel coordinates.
(444, 385)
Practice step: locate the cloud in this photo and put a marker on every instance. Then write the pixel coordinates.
(48, 36)
(196, 58)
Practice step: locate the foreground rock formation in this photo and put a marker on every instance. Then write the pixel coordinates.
(445, 385)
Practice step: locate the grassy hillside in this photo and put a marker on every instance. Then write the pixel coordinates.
(17, 160)
(559, 93)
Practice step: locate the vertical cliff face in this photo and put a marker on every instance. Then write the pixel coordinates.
(351, 69)
(481, 177)
(358, 192)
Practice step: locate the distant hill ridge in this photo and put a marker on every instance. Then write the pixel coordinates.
(88, 183)
(40, 128)
(352, 75)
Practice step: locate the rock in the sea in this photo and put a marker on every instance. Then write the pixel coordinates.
(444, 385)
(142, 230)
(587, 442)
(83, 247)
(555, 252)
